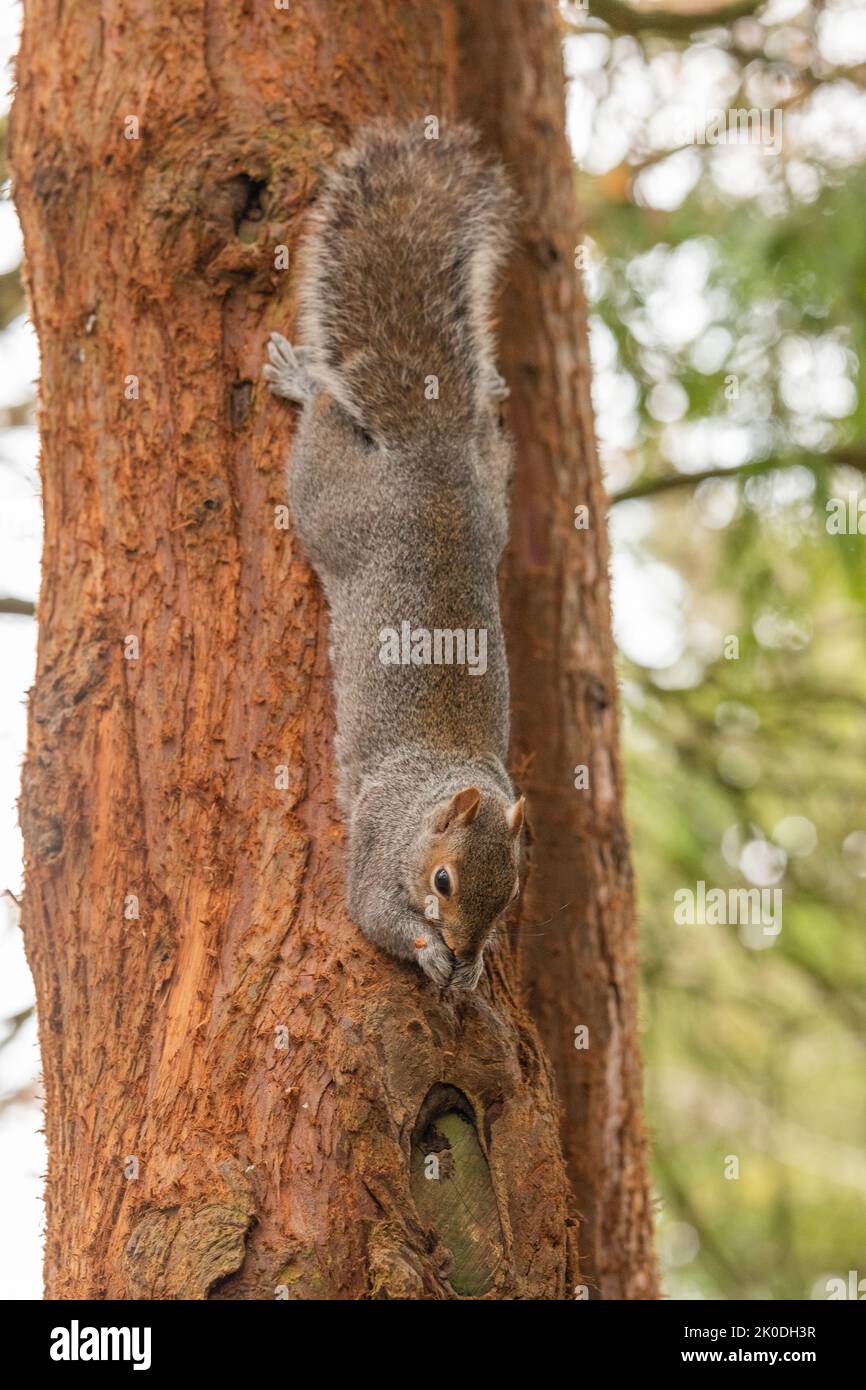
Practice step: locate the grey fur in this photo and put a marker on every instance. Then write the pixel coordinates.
(400, 503)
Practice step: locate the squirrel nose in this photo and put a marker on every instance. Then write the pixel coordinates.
(455, 954)
(469, 952)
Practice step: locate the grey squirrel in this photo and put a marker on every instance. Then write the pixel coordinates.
(398, 485)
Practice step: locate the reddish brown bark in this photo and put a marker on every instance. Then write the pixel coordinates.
(579, 969)
(272, 1076)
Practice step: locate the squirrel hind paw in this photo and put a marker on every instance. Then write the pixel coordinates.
(289, 372)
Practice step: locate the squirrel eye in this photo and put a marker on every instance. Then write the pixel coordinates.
(442, 882)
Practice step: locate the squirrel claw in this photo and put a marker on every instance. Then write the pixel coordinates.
(288, 373)
(499, 389)
(437, 961)
(280, 351)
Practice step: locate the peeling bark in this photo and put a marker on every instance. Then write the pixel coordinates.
(234, 1077)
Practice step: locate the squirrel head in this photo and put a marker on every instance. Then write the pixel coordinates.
(469, 869)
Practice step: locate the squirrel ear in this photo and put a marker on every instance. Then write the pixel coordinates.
(514, 816)
(461, 810)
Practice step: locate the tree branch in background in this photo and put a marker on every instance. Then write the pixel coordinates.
(15, 1023)
(652, 487)
(25, 1095)
(12, 301)
(632, 19)
(23, 607)
(12, 416)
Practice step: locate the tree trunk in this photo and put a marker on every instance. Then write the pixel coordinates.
(578, 969)
(244, 1099)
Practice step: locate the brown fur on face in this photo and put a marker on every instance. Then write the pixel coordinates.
(477, 839)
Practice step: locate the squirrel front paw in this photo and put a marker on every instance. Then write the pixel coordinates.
(439, 962)
(436, 960)
(289, 373)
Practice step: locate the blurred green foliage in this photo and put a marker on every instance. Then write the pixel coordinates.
(746, 760)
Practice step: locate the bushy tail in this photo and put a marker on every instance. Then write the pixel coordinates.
(406, 238)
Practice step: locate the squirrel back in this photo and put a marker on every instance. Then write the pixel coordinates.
(405, 241)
